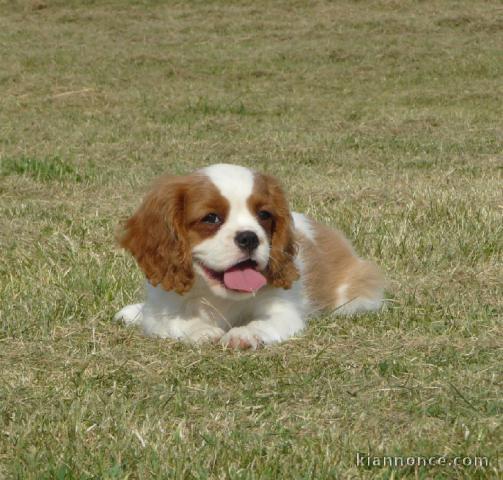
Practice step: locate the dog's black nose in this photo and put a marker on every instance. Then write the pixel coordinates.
(246, 240)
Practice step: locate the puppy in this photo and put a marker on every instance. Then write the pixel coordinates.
(226, 260)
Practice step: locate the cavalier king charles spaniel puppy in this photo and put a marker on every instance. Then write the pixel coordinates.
(226, 261)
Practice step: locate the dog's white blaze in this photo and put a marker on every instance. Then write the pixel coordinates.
(233, 181)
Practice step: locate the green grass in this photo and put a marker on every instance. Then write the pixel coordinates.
(383, 118)
(47, 169)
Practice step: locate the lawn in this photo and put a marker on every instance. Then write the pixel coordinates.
(383, 118)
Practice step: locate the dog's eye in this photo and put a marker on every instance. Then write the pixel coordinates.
(212, 218)
(264, 215)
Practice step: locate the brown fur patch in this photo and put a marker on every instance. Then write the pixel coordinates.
(165, 228)
(331, 262)
(268, 195)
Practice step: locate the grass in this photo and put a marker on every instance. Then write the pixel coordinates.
(45, 169)
(383, 118)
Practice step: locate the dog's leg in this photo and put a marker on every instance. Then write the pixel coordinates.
(274, 322)
(130, 315)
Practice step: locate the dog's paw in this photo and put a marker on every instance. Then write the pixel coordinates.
(130, 315)
(206, 333)
(243, 338)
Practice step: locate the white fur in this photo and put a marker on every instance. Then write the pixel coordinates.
(303, 225)
(210, 312)
(275, 315)
(352, 306)
(220, 252)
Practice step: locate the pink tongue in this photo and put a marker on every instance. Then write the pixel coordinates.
(244, 279)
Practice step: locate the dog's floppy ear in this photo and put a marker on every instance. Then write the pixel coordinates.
(281, 270)
(156, 235)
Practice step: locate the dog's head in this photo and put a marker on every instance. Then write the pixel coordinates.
(225, 223)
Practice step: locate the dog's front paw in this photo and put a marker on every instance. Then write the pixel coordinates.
(207, 333)
(243, 338)
(130, 315)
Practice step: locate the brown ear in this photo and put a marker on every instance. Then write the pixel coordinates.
(281, 270)
(157, 237)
